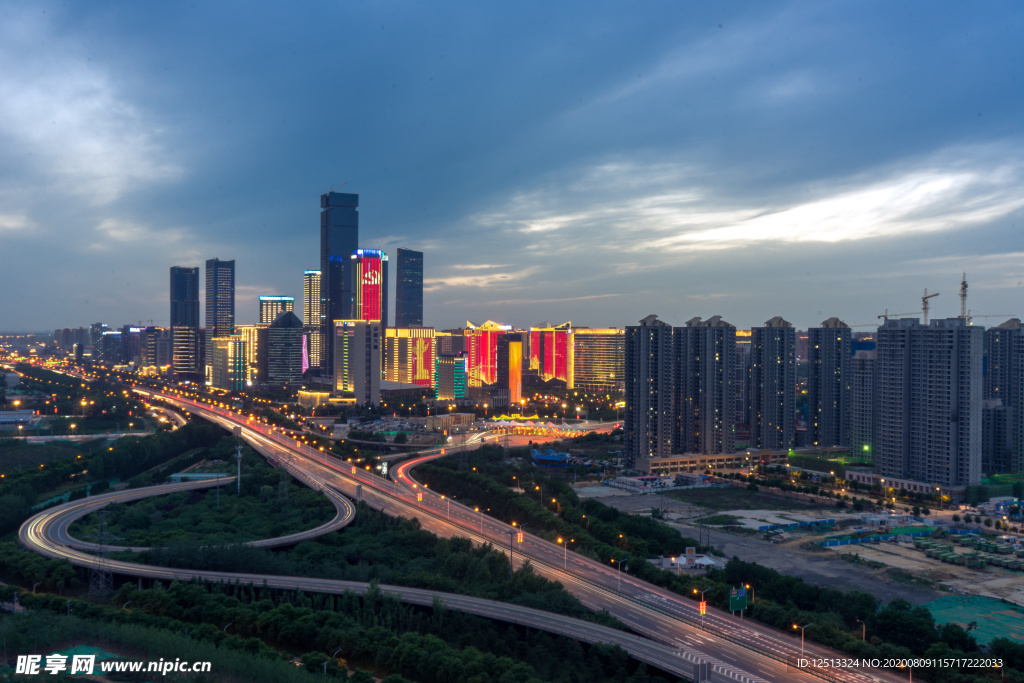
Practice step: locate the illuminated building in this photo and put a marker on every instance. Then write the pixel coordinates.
(110, 350)
(230, 366)
(773, 385)
(649, 420)
(864, 406)
(284, 350)
(828, 384)
(409, 354)
(451, 376)
(599, 355)
(255, 337)
(409, 289)
(357, 354)
(930, 402)
(450, 341)
(339, 237)
(220, 302)
(185, 314)
(482, 351)
(511, 347)
(185, 350)
(273, 306)
(704, 353)
(551, 352)
(311, 316)
(371, 276)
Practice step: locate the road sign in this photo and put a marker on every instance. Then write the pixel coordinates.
(703, 607)
(737, 599)
(519, 537)
(419, 497)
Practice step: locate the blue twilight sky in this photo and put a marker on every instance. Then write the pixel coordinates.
(584, 161)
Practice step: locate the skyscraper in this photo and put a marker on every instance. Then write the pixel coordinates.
(357, 357)
(371, 278)
(1004, 380)
(311, 315)
(930, 402)
(773, 385)
(339, 237)
(409, 291)
(220, 302)
(410, 355)
(704, 353)
(450, 374)
(273, 306)
(185, 320)
(599, 356)
(228, 360)
(551, 352)
(828, 384)
(284, 350)
(649, 417)
(510, 368)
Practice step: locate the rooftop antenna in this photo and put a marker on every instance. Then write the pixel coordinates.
(963, 298)
(924, 303)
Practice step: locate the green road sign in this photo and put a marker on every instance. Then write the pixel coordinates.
(737, 599)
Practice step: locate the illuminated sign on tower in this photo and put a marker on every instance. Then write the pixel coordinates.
(371, 284)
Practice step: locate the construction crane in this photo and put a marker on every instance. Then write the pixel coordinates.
(333, 189)
(924, 303)
(887, 314)
(988, 315)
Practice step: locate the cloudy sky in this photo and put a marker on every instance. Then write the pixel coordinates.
(581, 161)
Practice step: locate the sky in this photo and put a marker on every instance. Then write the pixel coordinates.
(585, 161)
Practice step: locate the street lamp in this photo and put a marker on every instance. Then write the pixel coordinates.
(802, 636)
(481, 520)
(512, 537)
(621, 562)
(702, 600)
(449, 507)
(863, 630)
(751, 589)
(565, 552)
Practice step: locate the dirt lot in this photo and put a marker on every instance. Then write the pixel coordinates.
(822, 568)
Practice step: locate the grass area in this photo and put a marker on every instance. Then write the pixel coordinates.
(720, 520)
(16, 454)
(826, 463)
(735, 498)
(196, 517)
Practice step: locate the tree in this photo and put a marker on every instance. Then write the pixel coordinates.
(925, 511)
(988, 522)
(956, 517)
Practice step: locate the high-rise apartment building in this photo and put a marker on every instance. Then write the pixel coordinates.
(273, 306)
(930, 402)
(863, 402)
(1004, 381)
(773, 385)
(649, 417)
(599, 356)
(185, 320)
(339, 237)
(741, 377)
(311, 316)
(409, 290)
(357, 358)
(220, 302)
(704, 352)
(828, 384)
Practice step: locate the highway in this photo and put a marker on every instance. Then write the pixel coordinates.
(738, 650)
(345, 512)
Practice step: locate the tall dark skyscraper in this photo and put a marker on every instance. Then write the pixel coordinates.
(220, 302)
(705, 402)
(773, 385)
(409, 293)
(185, 320)
(649, 418)
(184, 297)
(339, 237)
(828, 384)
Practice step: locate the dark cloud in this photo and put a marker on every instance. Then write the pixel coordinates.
(584, 161)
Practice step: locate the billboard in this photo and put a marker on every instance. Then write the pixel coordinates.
(422, 361)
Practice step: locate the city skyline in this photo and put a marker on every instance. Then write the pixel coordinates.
(749, 162)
